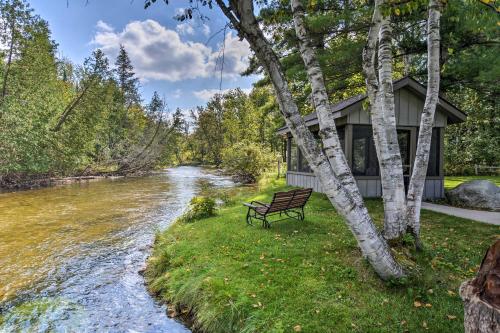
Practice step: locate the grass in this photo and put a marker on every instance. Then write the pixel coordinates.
(453, 181)
(310, 276)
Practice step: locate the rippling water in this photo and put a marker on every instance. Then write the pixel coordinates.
(69, 255)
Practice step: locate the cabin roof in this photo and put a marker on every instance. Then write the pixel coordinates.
(454, 114)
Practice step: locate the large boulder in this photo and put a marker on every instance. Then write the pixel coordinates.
(481, 194)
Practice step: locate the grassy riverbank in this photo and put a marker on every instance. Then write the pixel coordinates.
(310, 276)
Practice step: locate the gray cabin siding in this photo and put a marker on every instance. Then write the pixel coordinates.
(369, 188)
(408, 107)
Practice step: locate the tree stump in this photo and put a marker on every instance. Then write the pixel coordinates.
(481, 295)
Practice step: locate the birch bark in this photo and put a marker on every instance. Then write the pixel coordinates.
(328, 130)
(383, 116)
(417, 181)
(373, 246)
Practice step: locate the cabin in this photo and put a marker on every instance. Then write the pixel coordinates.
(355, 132)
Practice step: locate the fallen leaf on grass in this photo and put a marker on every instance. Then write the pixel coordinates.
(451, 293)
(428, 305)
(417, 304)
(297, 328)
(450, 317)
(258, 305)
(424, 325)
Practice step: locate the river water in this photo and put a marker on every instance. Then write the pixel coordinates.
(70, 255)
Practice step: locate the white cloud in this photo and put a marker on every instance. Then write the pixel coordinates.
(185, 28)
(206, 94)
(103, 26)
(177, 93)
(158, 53)
(206, 30)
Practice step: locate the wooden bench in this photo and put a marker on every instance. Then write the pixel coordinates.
(290, 203)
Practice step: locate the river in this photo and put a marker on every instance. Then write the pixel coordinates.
(70, 255)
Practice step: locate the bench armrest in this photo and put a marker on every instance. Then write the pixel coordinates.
(259, 203)
(252, 204)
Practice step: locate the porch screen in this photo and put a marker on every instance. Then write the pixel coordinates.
(364, 156)
(301, 162)
(433, 166)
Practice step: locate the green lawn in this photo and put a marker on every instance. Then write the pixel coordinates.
(453, 181)
(309, 276)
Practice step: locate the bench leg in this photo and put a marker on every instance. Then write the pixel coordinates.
(265, 223)
(249, 217)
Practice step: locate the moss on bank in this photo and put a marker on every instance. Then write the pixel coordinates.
(310, 276)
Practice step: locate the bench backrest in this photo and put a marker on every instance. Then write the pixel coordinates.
(288, 200)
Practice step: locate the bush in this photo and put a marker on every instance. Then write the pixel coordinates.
(247, 160)
(199, 208)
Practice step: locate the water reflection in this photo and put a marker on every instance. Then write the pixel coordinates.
(69, 255)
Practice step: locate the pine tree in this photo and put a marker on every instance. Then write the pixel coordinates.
(15, 17)
(128, 82)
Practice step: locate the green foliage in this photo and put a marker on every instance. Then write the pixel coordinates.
(469, 62)
(248, 160)
(234, 130)
(199, 208)
(248, 279)
(61, 118)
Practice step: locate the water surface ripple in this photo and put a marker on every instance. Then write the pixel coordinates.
(69, 255)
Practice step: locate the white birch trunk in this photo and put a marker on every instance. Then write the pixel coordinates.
(373, 246)
(328, 130)
(417, 181)
(383, 116)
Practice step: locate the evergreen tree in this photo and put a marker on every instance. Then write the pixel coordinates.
(128, 82)
(15, 17)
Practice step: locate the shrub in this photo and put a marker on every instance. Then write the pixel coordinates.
(199, 208)
(247, 160)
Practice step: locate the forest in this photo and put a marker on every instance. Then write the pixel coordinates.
(58, 118)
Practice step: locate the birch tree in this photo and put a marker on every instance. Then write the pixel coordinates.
(328, 164)
(401, 213)
(382, 112)
(417, 181)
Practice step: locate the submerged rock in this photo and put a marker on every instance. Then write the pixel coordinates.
(481, 194)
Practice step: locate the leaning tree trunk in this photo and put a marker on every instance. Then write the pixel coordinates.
(373, 246)
(328, 131)
(383, 116)
(481, 296)
(417, 181)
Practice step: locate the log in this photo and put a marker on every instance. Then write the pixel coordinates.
(481, 295)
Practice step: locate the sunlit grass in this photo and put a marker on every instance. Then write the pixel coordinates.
(310, 275)
(453, 181)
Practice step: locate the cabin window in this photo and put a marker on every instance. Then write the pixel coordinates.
(433, 167)
(364, 156)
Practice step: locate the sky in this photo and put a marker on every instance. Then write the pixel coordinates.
(180, 60)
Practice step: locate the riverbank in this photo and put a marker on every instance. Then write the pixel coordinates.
(13, 183)
(310, 276)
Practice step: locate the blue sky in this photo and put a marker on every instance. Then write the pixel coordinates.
(170, 57)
